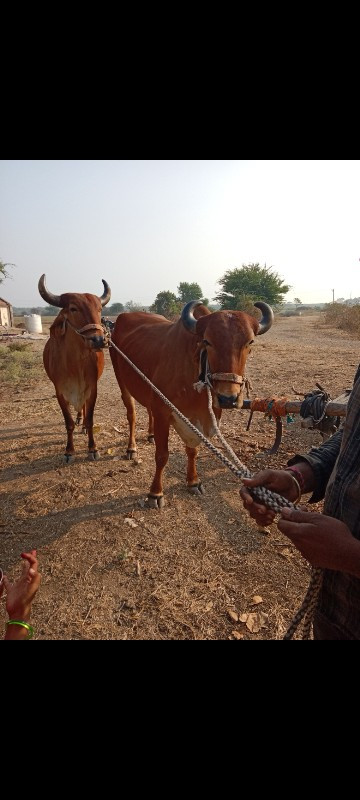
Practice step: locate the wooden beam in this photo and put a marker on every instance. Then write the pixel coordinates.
(334, 408)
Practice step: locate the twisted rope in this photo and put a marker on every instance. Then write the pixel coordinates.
(271, 499)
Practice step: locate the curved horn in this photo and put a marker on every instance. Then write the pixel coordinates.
(52, 299)
(187, 316)
(267, 318)
(107, 293)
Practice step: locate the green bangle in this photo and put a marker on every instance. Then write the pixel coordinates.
(24, 625)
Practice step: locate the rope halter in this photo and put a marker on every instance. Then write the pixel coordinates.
(94, 327)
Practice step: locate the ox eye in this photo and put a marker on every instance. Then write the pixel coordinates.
(72, 308)
(206, 343)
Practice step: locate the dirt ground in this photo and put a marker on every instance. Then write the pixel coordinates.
(114, 569)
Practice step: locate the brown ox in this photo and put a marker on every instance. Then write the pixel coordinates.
(73, 358)
(169, 354)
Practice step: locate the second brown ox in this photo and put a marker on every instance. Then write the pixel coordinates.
(74, 358)
(171, 355)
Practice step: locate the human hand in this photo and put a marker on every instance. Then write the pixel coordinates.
(324, 541)
(21, 593)
(279, 481)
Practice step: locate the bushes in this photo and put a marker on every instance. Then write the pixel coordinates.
(346, 318)
(18, 362)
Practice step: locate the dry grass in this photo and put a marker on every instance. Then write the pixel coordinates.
(19, 363)
(114, 569)
(347, 318)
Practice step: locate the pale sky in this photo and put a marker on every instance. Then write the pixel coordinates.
(146, 226)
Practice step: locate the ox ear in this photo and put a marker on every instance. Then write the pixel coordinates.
(58, 327)
(105, 297)
(267, 318)
(188, 317)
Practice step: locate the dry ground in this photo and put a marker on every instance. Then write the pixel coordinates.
(114, 569)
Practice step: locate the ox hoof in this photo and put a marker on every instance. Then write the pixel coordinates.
(130, 454)
(94, 455)
(198, 490)
(155, 501)
(151, 439)
(69, 458)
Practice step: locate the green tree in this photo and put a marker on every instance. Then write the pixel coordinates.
(3, 271)
(297, 301)
(167, 304)
(241, 287)
(114, 309)
(189, 291)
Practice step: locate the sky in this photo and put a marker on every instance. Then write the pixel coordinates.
(146, 226)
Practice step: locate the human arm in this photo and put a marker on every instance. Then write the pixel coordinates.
(322, 460)
(324, 541)
(20, 595)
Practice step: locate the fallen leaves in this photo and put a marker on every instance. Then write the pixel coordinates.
(254, 621)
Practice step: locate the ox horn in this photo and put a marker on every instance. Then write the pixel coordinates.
(187, 316)
(52, 299)
(267, 318)
(107, 293)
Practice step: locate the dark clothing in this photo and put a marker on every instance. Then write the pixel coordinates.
(336, 464)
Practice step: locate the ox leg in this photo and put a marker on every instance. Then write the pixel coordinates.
(88, 423)
(151, 437)
(161, 433)
(81, 416)
(194, 484)
(70, 425)
(129, 404)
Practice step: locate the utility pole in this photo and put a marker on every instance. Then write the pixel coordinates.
(333, 290)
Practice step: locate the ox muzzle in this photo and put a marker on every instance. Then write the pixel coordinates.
(228, 401)
(233, 400)
(97, 342)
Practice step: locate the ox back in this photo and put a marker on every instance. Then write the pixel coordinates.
(171, 355)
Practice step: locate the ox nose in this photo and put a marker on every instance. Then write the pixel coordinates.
(98, 342)
(227, 401)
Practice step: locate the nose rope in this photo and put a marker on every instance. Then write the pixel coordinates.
(91, 326)
(265, 496)
(206, 377)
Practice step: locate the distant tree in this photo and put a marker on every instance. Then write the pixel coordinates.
(243, 286)
(3, 271)
(114, 309)
(49, 311)
(38, 310)
(189, 291)
(167, 304)
(131, 306)
(297, 301)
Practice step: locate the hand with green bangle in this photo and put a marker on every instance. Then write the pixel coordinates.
(19, 597)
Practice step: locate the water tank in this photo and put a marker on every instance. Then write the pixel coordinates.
(33, 323)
